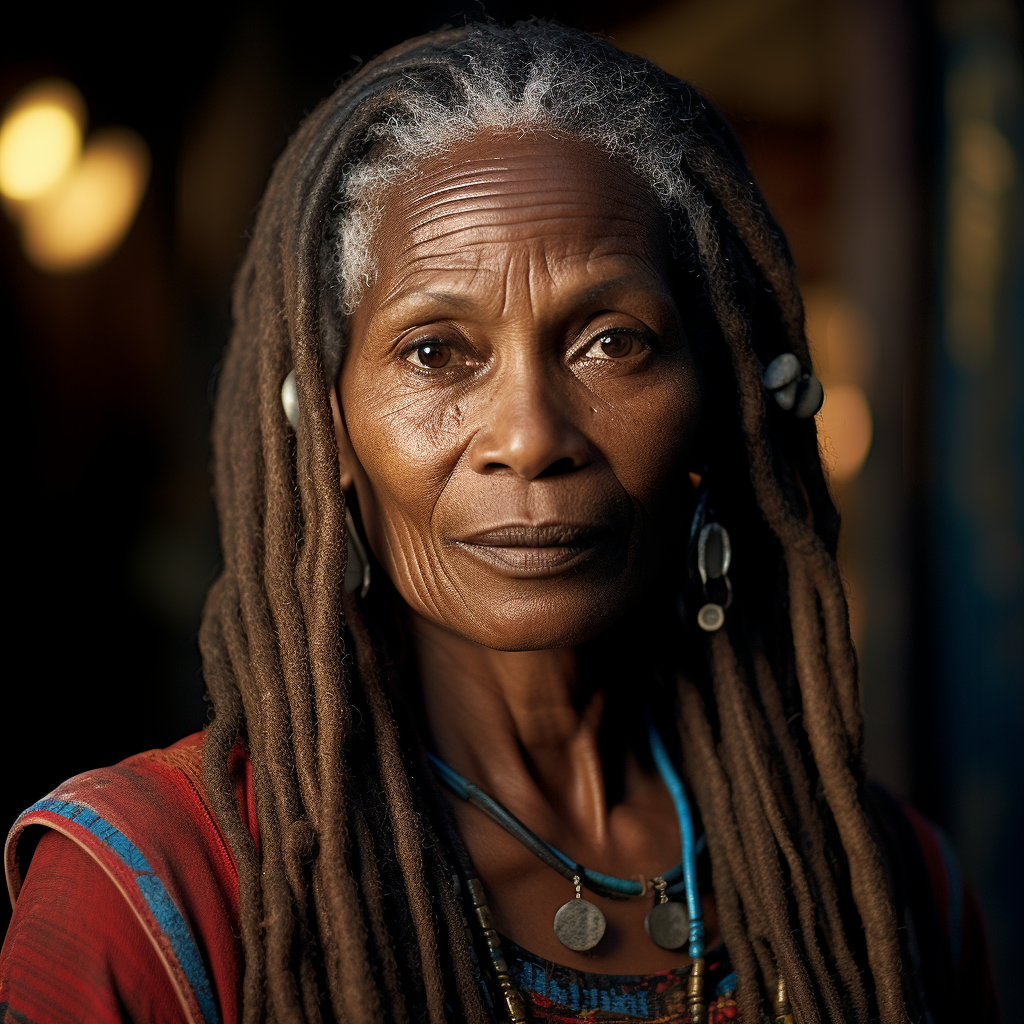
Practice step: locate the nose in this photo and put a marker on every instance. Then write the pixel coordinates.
(529, 428)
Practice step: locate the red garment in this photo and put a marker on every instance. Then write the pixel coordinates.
(135, 844)
(127, 906)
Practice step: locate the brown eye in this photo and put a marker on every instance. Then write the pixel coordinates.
(616, 346)
(430, 354)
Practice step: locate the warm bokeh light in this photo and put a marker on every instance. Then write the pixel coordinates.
(84, 219)
(844, 430)
(40, 138)
(842, 339)
(984, 169)
(843, 346)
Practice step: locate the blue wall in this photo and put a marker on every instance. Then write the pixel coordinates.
(976, 489)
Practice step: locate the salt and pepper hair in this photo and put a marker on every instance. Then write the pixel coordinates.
(618, 113)
(349, 910)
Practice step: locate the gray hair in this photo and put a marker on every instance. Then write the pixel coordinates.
(625, 115)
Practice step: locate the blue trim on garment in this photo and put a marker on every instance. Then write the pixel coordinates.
(157, 898)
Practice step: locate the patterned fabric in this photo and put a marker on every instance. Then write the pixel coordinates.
(560, 994)
(142, 888)
(127, 909)
(126, 898)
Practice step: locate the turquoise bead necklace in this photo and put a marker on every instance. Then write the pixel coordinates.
(579, 924)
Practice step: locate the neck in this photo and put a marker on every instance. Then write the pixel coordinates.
(523, 725)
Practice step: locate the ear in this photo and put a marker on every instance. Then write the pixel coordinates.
(347, 461)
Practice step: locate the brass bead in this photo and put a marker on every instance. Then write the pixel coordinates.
(783, 1011)
(476, 893)
(515, 1005)
(695, 994)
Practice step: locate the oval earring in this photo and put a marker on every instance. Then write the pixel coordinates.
(714, 556)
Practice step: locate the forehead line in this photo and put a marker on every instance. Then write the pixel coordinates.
(492, 170)
(533, 180)
(470, 212)
(432, 294)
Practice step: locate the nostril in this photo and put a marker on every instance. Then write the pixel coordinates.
(559, 467)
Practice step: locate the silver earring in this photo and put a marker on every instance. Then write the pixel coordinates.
(714, 557)
(795, 391)
(290, 399)
(357, 566)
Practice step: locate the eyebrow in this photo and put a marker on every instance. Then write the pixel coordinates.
(440, 297)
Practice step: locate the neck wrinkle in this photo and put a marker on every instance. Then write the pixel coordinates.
(522, 726)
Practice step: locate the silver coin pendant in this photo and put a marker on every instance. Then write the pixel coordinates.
(668, 925)
(579, 925)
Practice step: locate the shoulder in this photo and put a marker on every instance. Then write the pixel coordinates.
(148, 826)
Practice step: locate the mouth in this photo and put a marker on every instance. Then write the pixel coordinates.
(529, 550)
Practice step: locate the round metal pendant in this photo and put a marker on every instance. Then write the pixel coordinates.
(668, 925)
(711, 617)
(579, 925)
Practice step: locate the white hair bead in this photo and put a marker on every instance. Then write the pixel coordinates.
(786, 396)
(781, 371)
(791, 388)
(290, 399)
(811, 395)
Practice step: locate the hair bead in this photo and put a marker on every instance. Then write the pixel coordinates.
(290, 399)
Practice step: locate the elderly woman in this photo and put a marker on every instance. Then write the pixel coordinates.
(533, 690)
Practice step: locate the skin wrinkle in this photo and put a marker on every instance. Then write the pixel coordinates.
(416, 299)
(431, 453)
(293, 302)
(507, 268)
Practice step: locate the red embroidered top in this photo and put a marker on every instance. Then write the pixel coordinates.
(126, 909)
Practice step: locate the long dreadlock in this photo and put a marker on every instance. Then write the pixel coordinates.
(349, 908)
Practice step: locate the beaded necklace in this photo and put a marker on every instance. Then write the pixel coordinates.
(579, 924)
(668, 928)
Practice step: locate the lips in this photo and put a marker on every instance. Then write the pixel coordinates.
(526, 549)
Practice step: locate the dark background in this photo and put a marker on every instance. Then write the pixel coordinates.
(853, 116)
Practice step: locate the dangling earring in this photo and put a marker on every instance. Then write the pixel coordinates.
(357, 567)
(714, 557)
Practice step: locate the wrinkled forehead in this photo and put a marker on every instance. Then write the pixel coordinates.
(499, 194)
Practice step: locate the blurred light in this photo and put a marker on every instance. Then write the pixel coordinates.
(842, 338)
(851, 343)
(87, 215)
(40, 138)
(844, 430)
(984, 171)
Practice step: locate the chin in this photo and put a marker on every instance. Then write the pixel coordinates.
(545, 624)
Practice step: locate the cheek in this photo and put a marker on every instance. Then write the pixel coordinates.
(646, 435)
(407, 445)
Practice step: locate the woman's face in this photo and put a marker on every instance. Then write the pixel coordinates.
(518, 394)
